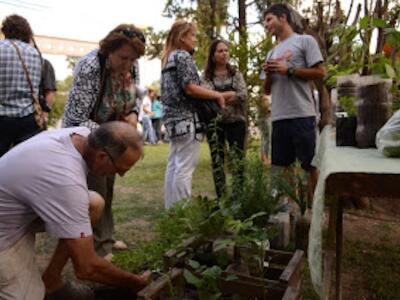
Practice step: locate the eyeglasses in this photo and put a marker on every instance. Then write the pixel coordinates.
(111, 158)
(134, 34)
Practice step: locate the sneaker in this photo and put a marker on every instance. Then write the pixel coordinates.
(71, 291)
(120, 246)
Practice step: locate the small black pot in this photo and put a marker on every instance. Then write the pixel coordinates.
(346, 131)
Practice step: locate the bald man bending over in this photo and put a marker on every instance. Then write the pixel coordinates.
(43, 182)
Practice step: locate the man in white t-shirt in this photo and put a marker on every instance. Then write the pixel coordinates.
(43, 182)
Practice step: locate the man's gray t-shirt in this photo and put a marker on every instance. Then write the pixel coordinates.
(291, 96)
(44, 179)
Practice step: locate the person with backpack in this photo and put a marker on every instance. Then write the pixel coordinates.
(104, 90)
(180, 90)
(221, 76)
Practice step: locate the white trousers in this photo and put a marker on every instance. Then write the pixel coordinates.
(20, 278)
(182, 160)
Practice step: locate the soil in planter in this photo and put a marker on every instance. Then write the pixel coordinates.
(205, 256)
(112, 293)
(190, 293)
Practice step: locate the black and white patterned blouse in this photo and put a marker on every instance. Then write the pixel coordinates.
(180, 70)
(84, 93)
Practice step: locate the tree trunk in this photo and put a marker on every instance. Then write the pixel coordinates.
(213, 13)
(243, 37)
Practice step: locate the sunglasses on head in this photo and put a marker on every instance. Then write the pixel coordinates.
(133, 34)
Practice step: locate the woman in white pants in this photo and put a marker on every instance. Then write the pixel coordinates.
(180, 82)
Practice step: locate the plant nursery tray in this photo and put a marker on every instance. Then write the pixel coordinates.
(281, 279)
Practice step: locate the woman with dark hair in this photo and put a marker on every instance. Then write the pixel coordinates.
(220, 76)
(104, 90)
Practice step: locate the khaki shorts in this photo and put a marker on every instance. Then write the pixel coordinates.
(20, 278)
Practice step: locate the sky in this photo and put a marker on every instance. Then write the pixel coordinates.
(89, 20)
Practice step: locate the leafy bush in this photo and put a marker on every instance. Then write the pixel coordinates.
(257, 193)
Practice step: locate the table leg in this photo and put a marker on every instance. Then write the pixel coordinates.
(330, 245)
(339, 248)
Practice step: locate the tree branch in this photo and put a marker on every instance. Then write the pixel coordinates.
(350, 10)
(357, 15)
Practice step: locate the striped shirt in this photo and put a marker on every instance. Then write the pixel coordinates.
(15, 93)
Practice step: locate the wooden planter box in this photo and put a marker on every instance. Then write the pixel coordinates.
(173, 286)
(282, 279)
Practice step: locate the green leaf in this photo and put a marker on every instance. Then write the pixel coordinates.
(231, 277)
(364, 22)
(194, 264)
(191, 279)
(379, 23)
(215, 296)
(390, 71)
(221, 244)
(256, 215)
(212, 272)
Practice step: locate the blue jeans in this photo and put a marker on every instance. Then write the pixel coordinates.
(148, 131)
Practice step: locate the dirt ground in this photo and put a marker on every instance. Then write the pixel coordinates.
(371, 251)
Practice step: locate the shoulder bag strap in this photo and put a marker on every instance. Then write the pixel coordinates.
(102, 62)
(28, 79)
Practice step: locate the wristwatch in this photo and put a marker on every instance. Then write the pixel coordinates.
(290, 72)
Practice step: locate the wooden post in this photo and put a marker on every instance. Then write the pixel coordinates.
(339, 248)
(330, 244)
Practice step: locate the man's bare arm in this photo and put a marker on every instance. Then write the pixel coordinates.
(267, 85)
(89, 266)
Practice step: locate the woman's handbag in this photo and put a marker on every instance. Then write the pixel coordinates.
(35, 100)
(206, 110)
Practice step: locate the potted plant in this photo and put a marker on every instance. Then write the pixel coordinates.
(346, 123)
